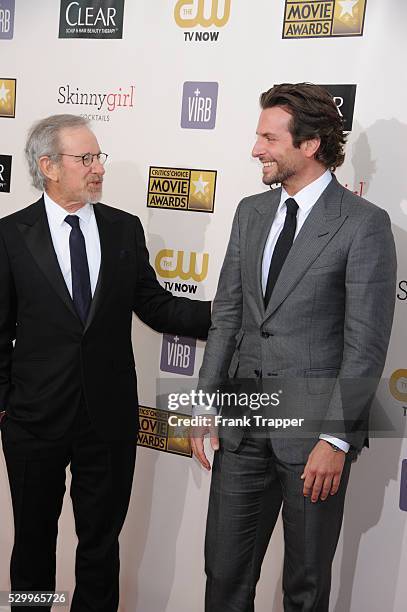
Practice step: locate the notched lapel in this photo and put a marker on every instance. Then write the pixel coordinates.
(36, 234)
(258, 230)
(323, 222)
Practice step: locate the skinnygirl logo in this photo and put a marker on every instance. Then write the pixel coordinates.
(110, 101)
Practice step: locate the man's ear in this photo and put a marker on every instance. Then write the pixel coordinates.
(310, 147)
(49, 168)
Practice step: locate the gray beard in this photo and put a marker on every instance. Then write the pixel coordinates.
(94, 198)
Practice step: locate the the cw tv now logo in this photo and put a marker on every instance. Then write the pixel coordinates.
(202, 13)
(172, 265)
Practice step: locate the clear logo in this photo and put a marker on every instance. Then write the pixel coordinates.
(91, 19)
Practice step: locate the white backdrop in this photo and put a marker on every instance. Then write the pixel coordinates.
(162, 542)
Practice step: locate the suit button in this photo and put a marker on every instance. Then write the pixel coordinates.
(265, 334)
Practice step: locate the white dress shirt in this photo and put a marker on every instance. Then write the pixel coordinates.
(60, 232)
(305, 199)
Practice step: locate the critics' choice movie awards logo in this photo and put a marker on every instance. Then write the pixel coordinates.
(97, 102)
(156, 433)
(178, 268)
(199, 104)
(344, 98)
(323, 18)
(398, 389)
(178, 355)
(181, 189)
(5, 173)
(190, 14)
(91, 19)
(8, 97)
(7, 19)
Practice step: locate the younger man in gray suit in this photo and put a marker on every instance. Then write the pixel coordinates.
(306, 293)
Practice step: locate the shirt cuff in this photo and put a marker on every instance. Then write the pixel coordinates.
(339, 443)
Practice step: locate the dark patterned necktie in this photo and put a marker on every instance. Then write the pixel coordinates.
(81, 291)
(282, 248)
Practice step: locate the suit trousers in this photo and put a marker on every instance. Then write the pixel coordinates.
(249, 486)
(102, 474)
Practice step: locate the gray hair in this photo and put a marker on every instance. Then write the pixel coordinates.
(43, 139)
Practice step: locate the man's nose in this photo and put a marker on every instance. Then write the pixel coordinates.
(97, 167)
(257, 149)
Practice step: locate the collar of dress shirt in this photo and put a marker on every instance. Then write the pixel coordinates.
(308, 195)
(56, 214)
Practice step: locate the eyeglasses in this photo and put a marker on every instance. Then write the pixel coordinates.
(87, 159)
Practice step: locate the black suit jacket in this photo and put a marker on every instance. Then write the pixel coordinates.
(56, 362)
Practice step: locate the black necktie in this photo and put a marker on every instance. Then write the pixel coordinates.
(81, 291)
(282, 248)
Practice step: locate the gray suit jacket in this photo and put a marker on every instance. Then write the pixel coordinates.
(326, 329)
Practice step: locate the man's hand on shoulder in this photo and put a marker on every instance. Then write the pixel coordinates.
(197, 436)
(323, 471)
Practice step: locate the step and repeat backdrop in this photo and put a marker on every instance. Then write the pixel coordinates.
(171, 88)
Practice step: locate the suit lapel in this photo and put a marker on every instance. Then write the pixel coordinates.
(258, 231)
(321, 225)
(36, 234)
(109, 236)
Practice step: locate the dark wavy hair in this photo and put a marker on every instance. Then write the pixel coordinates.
(314, 115)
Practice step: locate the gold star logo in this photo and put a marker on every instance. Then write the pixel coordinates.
(202, 190)
(348, 17)
(7, 97)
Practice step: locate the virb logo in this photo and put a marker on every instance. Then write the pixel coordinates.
(7, 8)
(199, 105)
(178, 355)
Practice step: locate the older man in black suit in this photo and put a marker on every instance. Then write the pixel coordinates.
(72, 272)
